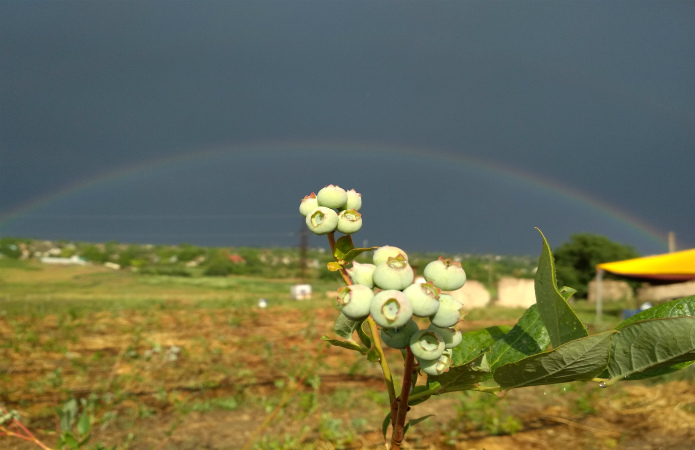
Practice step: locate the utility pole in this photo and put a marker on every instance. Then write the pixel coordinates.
(303, 245)
(671, 242)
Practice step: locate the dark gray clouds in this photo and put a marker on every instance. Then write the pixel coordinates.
(596, 96)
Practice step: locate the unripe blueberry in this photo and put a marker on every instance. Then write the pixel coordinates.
(354, 301)
(427, 345)
(395, 273)
(322, 220)
(383, 253)
(332, 197)
(437, 366)
(449, 312)
(424, 297)
(362, 274)
(452, 336)
(446, 274)
(349, 221)
(354, 200)
(309, 203)
(391, 309)
(399, 337)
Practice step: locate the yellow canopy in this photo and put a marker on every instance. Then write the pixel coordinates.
(669, 266)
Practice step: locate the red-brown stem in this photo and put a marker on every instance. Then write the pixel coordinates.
(397, 435)
(331, 241)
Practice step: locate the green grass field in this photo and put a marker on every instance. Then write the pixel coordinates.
(167, 362)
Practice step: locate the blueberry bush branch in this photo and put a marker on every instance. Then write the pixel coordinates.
(549, 344)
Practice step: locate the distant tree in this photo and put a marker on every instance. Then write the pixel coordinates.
(92, 253)
(133, 255)
(576, 260)
(188, 252)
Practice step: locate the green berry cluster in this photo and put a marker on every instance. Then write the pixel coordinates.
(386, 291)
(333, 208)
(398, 299)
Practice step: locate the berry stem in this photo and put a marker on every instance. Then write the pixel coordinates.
(331, 242)
(388, 378)
(402, 402)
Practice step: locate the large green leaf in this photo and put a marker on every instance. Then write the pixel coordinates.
(463, 377)
(674, 308)
(580, 359)
(651, 345)
(475, 342)
(561, 321)
(657, 371)
(527, 338)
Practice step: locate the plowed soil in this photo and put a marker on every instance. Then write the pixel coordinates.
(179, 376)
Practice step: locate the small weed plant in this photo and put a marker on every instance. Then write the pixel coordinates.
(548, 345)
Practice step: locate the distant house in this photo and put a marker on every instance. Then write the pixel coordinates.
(73, 260)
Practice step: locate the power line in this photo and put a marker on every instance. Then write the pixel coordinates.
(149, 216)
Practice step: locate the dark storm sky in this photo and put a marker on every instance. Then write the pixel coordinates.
(592, 100)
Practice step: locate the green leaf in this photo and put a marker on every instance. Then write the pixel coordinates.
(581, 359)
(464, 377)
(674, 308)
(528, 337)
(652, 344)
(354, 253)
(344, 327)
(342, 247)
(68, 440)
(385, 424)
(657, 371)
(417, 389)
(373, 355)
(350, 345)
(476, 342)
(83, 425)
(561, 321)
(67, 414)
(567, 292)
(363, 335)
(415, 422)
(334, 266)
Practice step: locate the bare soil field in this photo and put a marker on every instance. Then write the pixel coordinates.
(176, 372)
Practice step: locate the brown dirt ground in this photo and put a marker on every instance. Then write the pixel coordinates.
(245, 352)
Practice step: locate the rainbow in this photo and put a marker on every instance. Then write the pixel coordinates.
(357, 150)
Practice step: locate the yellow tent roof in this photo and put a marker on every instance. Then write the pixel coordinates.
(669, 266)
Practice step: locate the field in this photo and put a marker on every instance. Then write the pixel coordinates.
(176, 363)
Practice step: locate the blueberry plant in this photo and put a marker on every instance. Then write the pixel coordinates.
(548, 345)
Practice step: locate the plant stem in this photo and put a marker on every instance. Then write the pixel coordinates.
(398, 425)
(388, 378)
(331, 242)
